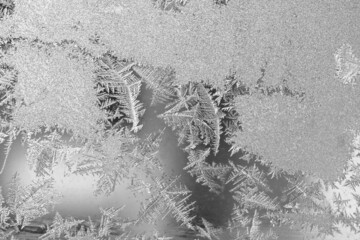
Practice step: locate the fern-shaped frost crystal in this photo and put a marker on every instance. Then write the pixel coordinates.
(168, 198)
(61, 228)
(117, 80)
(160, 81)
(211, 175)
(30, 202)
(195, 116)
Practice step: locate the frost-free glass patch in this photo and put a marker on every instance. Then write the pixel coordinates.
(347, 65)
